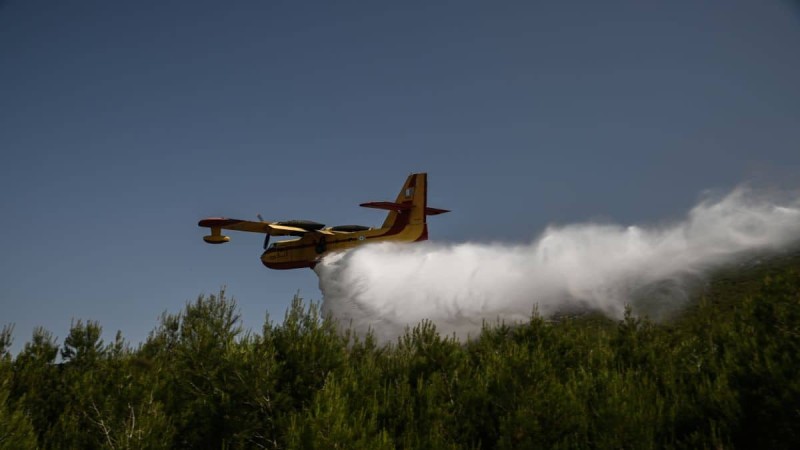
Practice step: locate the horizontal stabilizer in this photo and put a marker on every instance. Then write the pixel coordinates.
(435, 211)
(391, 206)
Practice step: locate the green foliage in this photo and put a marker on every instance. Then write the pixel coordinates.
(722, 375)
(16, 430)
(765, 364)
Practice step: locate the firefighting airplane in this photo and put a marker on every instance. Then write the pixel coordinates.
(406, 222)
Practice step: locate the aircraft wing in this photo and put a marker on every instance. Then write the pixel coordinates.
(284, 230)
(271, 228)
(276, 229)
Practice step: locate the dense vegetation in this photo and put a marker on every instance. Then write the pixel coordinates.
(722, 375)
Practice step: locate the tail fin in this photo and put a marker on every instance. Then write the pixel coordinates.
(414, 194)
(411, 203)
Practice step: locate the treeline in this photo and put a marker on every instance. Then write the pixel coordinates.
(724, 375)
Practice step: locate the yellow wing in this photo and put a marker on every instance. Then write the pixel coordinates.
(217, 224)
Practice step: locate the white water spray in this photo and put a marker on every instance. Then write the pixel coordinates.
(387, 287)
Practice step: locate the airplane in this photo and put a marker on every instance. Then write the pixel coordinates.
(405, 222)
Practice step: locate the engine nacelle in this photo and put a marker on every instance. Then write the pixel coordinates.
(350, 228)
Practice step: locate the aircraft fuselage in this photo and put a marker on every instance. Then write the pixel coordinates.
(307, 250)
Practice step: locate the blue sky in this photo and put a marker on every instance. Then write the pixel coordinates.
(123, 123)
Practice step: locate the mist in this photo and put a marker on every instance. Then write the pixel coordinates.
(567, 269)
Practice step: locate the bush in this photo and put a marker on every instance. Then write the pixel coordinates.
(723, 375)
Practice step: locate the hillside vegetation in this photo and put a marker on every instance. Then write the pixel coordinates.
(722, 375)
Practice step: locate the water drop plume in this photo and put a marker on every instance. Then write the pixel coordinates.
(582, 267)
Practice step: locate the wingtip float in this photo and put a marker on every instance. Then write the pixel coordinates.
(405, 222)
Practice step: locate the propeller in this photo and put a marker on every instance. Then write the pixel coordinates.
(266, 237)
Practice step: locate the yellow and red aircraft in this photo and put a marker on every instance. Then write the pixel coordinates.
(406, 222)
